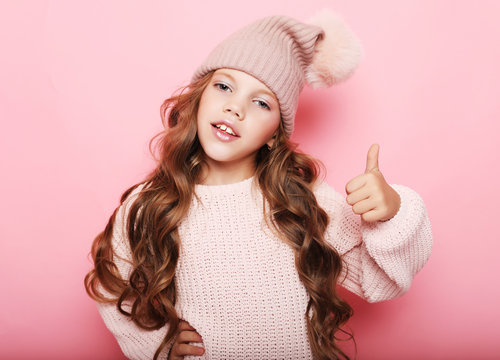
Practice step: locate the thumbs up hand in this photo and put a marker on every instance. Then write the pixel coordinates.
(370, 195)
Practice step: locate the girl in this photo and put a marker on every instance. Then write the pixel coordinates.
(232, 247)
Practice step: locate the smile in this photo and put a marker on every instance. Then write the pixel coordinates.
(226, 129)
(223, 135)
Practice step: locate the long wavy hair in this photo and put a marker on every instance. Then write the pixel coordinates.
(285, 177)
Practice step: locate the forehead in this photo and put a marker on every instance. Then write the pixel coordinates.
(240, 76)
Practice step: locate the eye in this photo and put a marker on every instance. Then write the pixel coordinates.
(263, 104)
(221, 86)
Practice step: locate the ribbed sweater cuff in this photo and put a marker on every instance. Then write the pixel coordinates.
(397, 231)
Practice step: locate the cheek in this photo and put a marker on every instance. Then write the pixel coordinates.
(271, 124)
(202, 108)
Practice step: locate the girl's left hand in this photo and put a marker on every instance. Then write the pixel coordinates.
(370, 195)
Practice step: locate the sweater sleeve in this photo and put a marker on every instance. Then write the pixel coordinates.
(136, 343)
(380, 258)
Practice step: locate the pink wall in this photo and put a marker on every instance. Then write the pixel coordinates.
(80, 91)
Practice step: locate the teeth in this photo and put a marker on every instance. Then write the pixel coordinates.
(226, 129)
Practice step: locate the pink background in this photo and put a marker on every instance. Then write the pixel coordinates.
(81, 84)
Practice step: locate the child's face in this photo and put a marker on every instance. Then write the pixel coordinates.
(249, 108)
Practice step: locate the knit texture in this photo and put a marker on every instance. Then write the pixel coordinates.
(237, 284)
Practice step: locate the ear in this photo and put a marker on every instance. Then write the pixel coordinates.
(270, 142)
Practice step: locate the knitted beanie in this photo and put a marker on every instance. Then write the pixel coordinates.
(284, 53)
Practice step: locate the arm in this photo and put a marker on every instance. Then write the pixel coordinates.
(380, 258)
(135, 342)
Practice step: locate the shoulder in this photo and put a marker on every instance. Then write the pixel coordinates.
(120, 241)
(332, 201)
(135, 192)
(326, 195)
(125, 205)
(124, 208)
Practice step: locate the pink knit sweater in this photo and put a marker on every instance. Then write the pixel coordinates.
(237, 284)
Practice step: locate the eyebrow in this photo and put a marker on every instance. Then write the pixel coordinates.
(260, 90)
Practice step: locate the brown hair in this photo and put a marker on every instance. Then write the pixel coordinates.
(285, 177)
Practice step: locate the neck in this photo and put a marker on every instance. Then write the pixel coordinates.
(217, 174)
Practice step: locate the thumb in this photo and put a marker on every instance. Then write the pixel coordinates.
(372, 158)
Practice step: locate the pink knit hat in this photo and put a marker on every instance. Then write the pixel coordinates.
(284, 53)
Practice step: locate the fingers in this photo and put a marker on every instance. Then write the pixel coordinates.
(369, 194)
(358, 195)
(368, 210)
(371, 166)
(187, 334)
(355, 183)
(372, 158)
(182, 350)
(363, 206)
(184, 325)
(371, 216)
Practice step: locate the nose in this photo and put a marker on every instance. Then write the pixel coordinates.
(235, 109)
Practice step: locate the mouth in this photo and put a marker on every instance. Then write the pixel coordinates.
(226, 128)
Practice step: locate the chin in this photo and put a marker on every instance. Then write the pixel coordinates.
(220, 157)
(213, 153)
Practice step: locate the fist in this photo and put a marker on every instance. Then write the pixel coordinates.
(370, 195)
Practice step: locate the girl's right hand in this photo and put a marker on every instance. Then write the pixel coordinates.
(181, 348)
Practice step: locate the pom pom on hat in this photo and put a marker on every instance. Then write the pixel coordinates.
(337, 53)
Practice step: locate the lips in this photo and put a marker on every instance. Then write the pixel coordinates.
(228, 124)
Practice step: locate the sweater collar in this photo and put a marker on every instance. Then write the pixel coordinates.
(242, 186)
